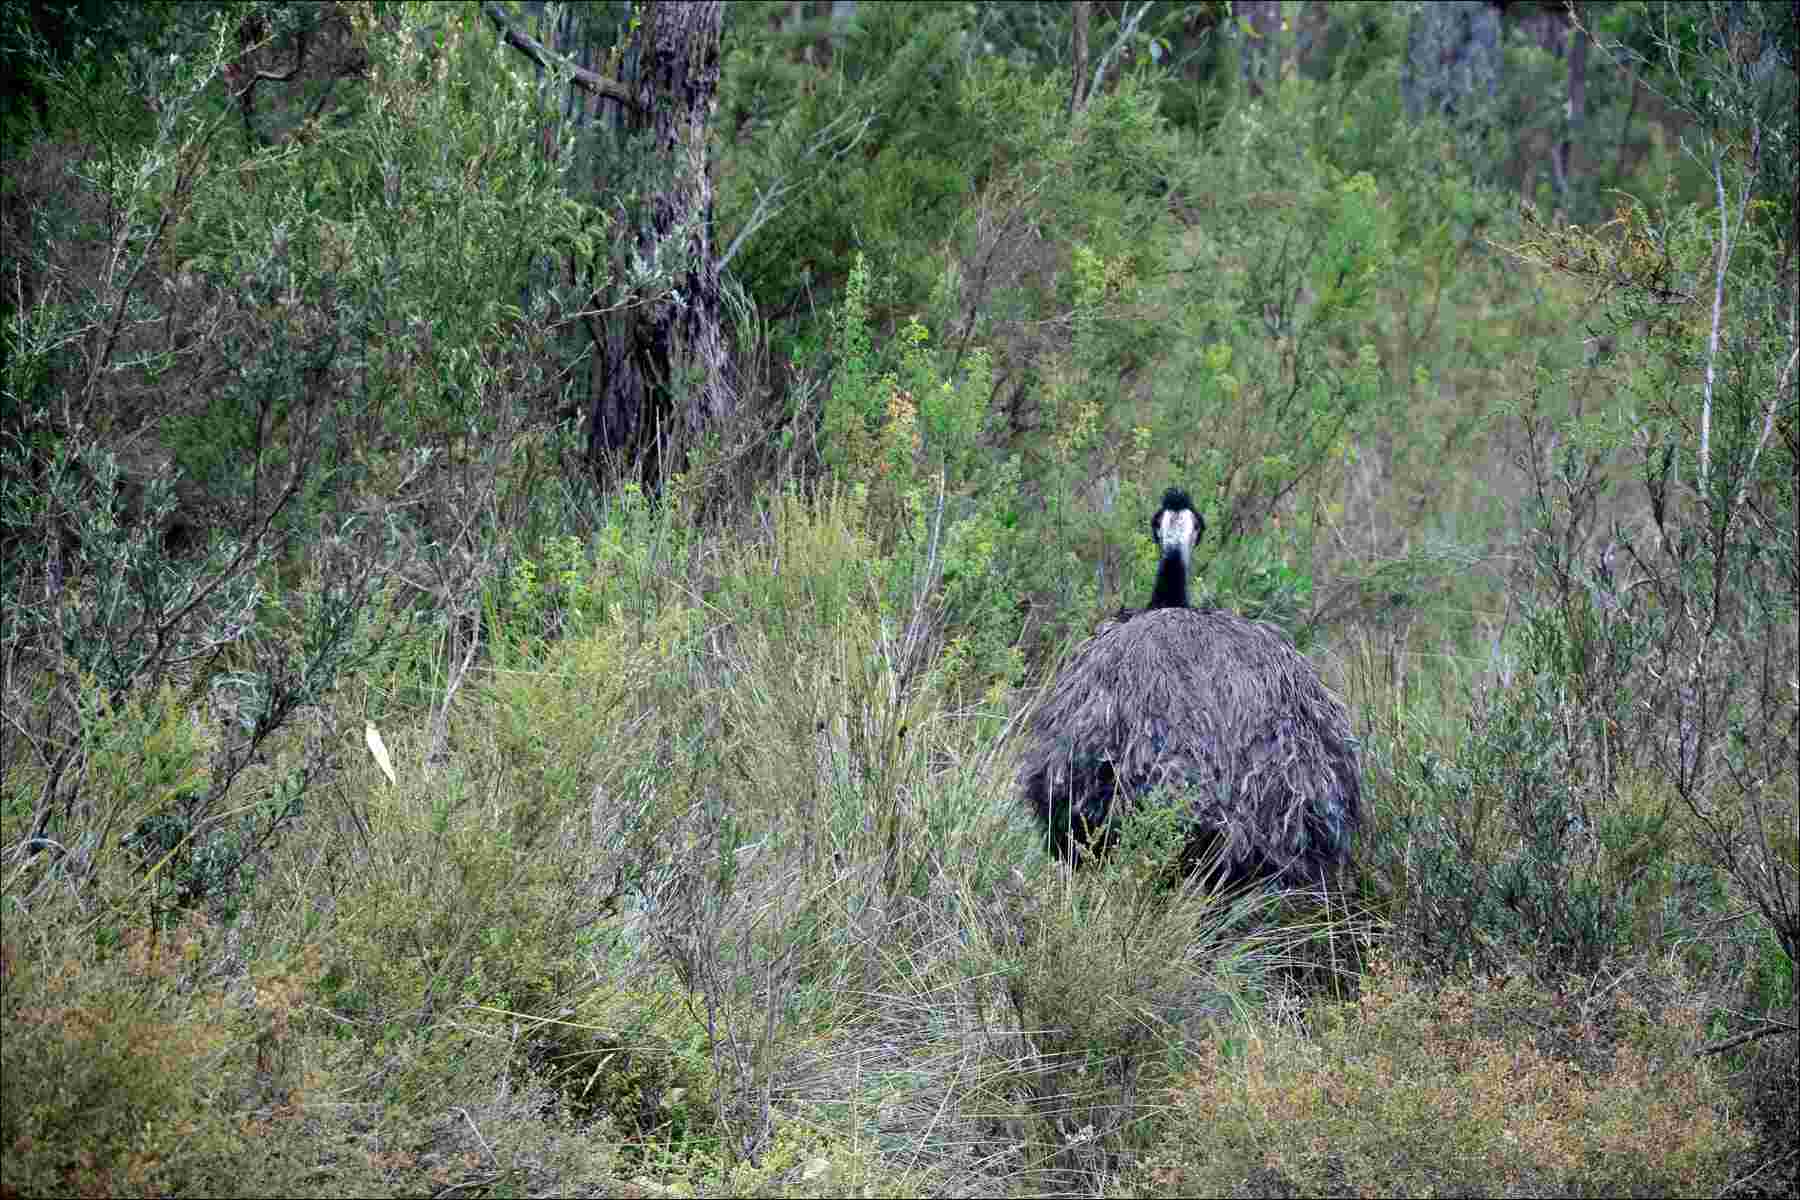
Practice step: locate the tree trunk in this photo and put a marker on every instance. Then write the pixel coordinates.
(1574, 117)
(828, 30)
(1453, 59)
(1079, 55)
(1259, 61)
(661, 371)
(664, 366)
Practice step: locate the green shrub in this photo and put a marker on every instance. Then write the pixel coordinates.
(907, 443)
(1504, 844)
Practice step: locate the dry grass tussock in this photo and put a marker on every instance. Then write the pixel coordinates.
(1499, 1088)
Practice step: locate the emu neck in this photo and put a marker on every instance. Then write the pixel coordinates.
(1171, 582)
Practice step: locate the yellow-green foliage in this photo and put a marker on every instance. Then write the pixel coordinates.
(812, 572)
(939, 513)
(728, 895)
(129, 812)
(137, 755)
(703, 863)
(149, 748)
(914, 422)
(1493, 1087)
(470, 900)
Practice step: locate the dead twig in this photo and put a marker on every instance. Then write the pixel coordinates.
(1750, 1035)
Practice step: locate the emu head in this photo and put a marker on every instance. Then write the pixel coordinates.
(1175, 529)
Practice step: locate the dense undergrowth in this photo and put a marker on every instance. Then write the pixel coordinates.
(388, 807)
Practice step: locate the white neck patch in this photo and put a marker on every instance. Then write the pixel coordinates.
(1175, 531)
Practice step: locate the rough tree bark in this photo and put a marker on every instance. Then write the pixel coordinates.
(665, 367)
(1574, 117)
(662, 369)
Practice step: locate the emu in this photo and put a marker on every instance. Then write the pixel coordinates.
(1217, 713)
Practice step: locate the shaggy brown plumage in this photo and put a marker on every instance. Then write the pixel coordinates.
(1219, 714)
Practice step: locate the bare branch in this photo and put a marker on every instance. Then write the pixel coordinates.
(771, 200)
(1775, 397)
(1728, 231)
(1627, 60)
(1125, 32)
(1771, 1027)
(581, 77)
(1718, 313)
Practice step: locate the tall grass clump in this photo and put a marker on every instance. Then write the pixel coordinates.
(1121, 977)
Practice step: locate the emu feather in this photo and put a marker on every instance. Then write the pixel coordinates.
(1214, 712)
